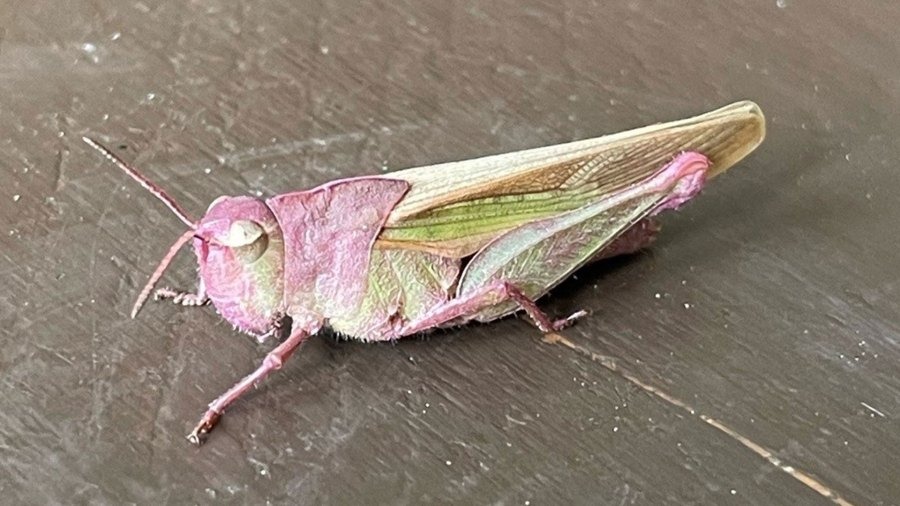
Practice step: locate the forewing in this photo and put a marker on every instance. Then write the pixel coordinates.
(454, 209)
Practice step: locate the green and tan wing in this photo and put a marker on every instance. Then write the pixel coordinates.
(454, 209)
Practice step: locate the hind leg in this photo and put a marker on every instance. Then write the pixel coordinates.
(460, 310)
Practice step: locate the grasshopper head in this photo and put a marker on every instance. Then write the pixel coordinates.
(239, 246)
(240, 250)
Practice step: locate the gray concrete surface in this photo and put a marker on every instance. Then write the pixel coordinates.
(770, 304)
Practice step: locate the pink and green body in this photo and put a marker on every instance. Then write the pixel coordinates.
(378, 258)
(321, 267)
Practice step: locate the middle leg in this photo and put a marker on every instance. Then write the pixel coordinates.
(636, 238)
(273, 362)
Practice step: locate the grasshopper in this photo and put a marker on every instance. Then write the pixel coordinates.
(377, 258)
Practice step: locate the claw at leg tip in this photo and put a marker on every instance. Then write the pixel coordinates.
(209, 420)
(578, 314)
(196, 437)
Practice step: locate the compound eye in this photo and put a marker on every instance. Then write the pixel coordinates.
(242, 233)
(247, 239)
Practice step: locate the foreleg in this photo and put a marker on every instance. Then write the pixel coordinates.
(183, 298)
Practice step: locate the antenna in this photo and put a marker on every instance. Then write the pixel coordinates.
(143, 181)
(160, 269)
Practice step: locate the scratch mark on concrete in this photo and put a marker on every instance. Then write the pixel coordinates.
(298, 146)
(610, 364)
(873, 410)
(59, 181)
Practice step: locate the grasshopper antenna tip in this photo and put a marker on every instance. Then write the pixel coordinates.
(157, 192)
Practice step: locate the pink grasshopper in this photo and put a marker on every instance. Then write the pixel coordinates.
(381, 257)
